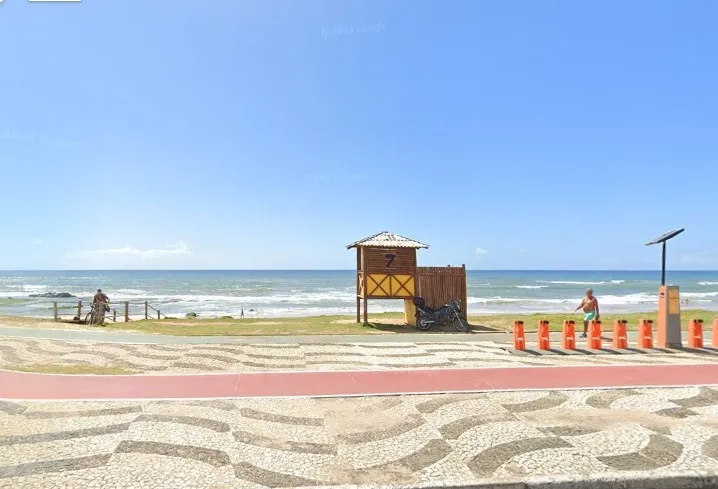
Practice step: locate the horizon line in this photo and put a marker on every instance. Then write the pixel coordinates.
(658, 270)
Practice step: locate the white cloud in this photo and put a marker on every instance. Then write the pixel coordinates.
(37, 241)
(481, 251)
(180, 249)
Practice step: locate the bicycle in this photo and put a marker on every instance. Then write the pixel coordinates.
(92, 318)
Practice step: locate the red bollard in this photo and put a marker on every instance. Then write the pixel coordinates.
(620, 340)
(544, 338)
(519, 338)
(714, 339)
(645, 333)
(569, 335)
(695, 333)
(594, 335)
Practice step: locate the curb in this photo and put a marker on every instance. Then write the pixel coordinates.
(684, 480)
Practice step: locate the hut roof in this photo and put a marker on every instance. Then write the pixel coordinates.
(387, 239)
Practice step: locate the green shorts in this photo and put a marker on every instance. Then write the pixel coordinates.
(589, 316)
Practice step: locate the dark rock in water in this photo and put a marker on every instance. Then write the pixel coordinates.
(251, 310)
(191, 315)
(54, 295)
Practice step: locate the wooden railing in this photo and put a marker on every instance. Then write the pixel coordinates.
(124, 311)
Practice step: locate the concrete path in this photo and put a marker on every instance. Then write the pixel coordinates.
(128, 337)
(48, 356)
(143, 338)
(663, 438)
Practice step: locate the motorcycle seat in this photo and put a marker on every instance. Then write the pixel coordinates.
(427, 309)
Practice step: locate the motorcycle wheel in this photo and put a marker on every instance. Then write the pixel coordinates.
(423, 324)
(461, 325)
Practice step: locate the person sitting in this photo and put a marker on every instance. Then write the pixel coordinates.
(100, 306)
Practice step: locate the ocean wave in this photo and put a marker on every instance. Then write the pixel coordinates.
(29, 288)
(506, 300)
(628, 299)
(137, 292)
(532, 286)
(699, 295)
(611, 300)
(707, 283)
(13, 295)
(308, 297)
(572, 282)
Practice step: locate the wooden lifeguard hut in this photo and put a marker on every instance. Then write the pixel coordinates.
(386, 268)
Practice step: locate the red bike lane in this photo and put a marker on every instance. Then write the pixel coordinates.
(29, 386)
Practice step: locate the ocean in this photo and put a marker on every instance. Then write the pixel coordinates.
(303, 293)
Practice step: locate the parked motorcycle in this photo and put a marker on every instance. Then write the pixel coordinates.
(449, 314)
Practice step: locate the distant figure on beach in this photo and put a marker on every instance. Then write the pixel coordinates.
(241, 313)
(99, 302)
(589, 304)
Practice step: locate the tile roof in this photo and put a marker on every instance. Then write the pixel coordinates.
(387, 239)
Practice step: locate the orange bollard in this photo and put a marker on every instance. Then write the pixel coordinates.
(645, 333)
(620, 340)
(519, 338)
(594, 335)
(569, 335)
(695, 333)
(714, 339)
(544, 338)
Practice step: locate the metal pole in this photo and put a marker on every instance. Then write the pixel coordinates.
(663, 265)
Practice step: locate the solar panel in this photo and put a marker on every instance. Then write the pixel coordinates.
(665, 237)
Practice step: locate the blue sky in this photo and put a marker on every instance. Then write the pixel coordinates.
(269, 134)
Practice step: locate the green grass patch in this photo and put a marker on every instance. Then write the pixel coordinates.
(386, 323)
(505, 322)
(314, 325)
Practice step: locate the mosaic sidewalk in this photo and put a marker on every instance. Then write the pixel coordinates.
(187, 358)
(406, 441)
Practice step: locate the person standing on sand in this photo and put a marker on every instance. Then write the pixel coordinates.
(589, 304)
(241, 314)
(99, 303)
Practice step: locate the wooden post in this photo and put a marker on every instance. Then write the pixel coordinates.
(127, 311)
(54, 310)
(360, 277)
(364, 289)
(79, 310)
(465, 305)
(158, 314)
(114, 315)
(147, 311)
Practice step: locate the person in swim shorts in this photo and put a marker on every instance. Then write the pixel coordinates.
(589, 304)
